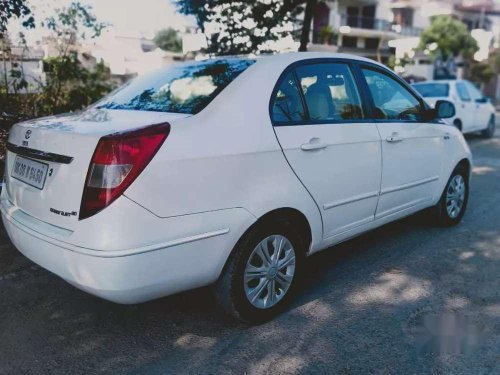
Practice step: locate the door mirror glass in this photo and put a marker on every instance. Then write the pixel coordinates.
(484, 99)
(444, 109)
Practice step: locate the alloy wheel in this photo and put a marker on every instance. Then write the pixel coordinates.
(269, 271)
(455, 196)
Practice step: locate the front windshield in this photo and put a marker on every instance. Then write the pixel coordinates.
(432, 90)
(182, 88)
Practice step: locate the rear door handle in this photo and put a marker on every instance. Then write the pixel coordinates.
(314, 144)
(394, 138)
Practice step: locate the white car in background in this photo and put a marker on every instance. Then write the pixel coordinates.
(228, 172)
(474, 111)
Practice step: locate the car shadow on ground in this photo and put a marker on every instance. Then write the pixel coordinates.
(372, 304)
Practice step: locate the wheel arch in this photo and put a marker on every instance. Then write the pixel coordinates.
(458, 123)
(294, 217)
(287, 214)
(466, 164)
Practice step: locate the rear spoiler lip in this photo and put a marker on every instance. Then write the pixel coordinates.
(37, 154)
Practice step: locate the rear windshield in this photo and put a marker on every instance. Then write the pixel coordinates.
(183, 88)
(432, 90)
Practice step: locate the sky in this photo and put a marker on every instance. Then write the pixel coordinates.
(127, 17)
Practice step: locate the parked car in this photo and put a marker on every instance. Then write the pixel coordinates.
(228, 172)
(474, 111)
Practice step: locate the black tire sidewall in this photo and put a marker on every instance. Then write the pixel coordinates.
(489, 132)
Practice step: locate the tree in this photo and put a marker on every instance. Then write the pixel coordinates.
(481, 73)
(168, 40)
(64, 72)
(306, 26)
(245, 26)
(15, 8)
(68, 85)
(451, 37)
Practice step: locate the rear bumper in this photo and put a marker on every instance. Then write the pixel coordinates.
(131, 275)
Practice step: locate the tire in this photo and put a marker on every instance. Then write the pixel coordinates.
(443, 213)
(234, 294)
(458, 124)
(489, 132)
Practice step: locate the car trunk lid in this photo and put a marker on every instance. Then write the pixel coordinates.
(48, 159)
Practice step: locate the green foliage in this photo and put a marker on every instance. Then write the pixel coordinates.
(74, 21)
(245, 26)
(394, 62)
(17, 9)
(451, 36)
(69, 86)
(481, 73)
(168, 40)
(326, 34)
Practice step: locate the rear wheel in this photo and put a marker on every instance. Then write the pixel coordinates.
(453, 203)
(262, 273)
(489, 132)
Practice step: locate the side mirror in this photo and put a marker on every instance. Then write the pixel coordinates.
(444, 109)
(484, 99)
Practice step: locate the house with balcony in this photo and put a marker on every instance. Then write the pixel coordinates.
(482, 18)
(360, 27)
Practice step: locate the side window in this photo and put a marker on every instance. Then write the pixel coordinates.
(463, 93)
(392, 100)
(330, 92)
(475, 94)
(287, 104)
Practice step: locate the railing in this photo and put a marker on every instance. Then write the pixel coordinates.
(319, 37)
(371, 23)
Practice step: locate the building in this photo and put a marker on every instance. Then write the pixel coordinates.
(129, 55)
(384, 28)
(360, 27)
(482, 18)
(28, 60)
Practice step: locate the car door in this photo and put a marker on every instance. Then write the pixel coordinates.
(480, 106)
(321, 125)
(412, 150)
(467, 107)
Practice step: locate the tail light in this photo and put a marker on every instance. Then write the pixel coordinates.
(117, 161)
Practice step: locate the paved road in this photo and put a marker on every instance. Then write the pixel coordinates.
(407, 298)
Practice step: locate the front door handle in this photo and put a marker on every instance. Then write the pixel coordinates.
(314, 144)
(394, 138)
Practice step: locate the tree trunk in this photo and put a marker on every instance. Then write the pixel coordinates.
(306, 27)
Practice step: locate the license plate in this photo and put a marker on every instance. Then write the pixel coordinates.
(30, 171)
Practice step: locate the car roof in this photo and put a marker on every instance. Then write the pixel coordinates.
(449, 81)
(291, 57)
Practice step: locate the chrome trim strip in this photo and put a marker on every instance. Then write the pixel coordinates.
(356, 198)
(409, 185)
(39, 155)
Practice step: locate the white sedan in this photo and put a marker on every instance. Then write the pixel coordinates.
(228, 172)
(474, 111)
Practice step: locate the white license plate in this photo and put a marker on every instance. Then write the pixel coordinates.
(30, 171)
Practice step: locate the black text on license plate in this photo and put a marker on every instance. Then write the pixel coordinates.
(30, 171)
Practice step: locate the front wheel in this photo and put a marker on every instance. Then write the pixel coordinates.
(262, 273)
(489, 132)
(451, 207)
